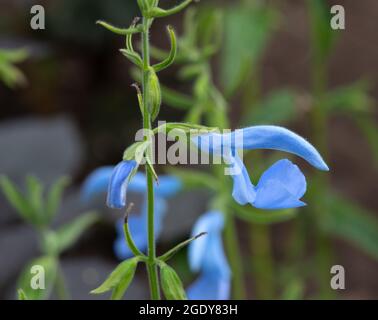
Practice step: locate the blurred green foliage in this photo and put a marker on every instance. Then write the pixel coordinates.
(39, 211)
(10, 75)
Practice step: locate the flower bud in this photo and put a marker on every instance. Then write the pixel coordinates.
(154, 94)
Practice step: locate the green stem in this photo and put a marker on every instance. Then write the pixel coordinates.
(60, 287)
(319, 118)
(235, 258)
(151, 263)
(262, 261)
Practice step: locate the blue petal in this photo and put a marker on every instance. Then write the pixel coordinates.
(209, 287)
(279, 138)
(96, 183)
(261, 137)
(210, 222)
(243, 190)
(118, 184)
(280, 187)
(168, 185)
(215, 261)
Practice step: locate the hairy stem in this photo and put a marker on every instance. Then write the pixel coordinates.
(151, 264)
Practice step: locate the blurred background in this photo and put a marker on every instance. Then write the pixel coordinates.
(68, 108)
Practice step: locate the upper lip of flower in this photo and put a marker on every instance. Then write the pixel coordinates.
(263, 137)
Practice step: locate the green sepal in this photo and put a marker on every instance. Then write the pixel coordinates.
(171, 283)
(133, 57)
(154, 94)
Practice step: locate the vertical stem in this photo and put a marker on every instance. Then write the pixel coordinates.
(262, 261)
(151, 264)
(319, 126)
(60, 287)
(236, 261)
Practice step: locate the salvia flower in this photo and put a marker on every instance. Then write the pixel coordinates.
(283, 184)
(206, 256)
(115, 180)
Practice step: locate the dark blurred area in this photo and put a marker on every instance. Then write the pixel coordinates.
(78, 111)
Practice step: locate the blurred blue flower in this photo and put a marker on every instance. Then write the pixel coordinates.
(283, 184)
(206, 256)
(102, 179)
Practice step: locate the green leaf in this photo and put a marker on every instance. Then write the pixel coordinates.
(254, 215)
(21, 295)
(247, 32)
(277, 108)
(119, 279)
(119, 31)
(348, 221)
(323, 37)
(17, 200)
(157, 12)
(175, 99)
(294, 290)
(9, 74)
(369, 128)
(54, 197)
(172, 54)
(350, 98)
(171, 283)
(35, 198)
(187, 128)
(67, 235)
(27, 279)
(13, 55)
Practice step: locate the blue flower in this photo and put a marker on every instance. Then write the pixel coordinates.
(118, 184)
(283, 184)
(206, 256)
(115, 180)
